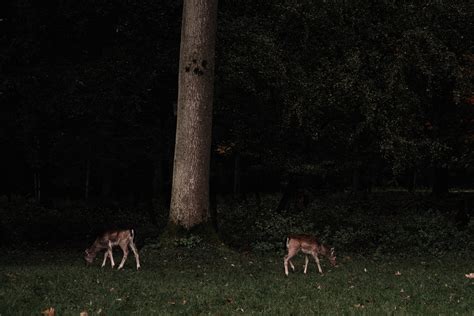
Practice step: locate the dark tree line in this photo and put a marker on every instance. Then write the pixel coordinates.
(309, 96)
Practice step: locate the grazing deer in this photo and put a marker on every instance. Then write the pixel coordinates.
(122, 238)
(310, 246)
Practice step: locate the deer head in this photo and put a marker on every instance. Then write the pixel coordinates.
(89, 256)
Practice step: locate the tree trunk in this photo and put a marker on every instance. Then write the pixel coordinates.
(190, 189)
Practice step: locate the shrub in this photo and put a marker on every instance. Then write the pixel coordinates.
(350, 227)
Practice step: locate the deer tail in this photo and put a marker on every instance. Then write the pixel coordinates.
(287, 242)
(132, 233)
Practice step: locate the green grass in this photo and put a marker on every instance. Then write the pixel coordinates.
(223, 282)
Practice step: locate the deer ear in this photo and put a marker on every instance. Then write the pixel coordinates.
(332, 250)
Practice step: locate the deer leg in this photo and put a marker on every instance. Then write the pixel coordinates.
(125, 255)
(135, 253)
(291, 265)
(290, 255)
(106, 254)
(109, 250)
(317, 262)
(306, 261)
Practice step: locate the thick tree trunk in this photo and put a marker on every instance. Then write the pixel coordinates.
(190, 189)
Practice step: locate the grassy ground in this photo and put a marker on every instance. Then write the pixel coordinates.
(222, 282)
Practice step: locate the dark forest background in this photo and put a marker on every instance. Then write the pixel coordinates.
(341, 117)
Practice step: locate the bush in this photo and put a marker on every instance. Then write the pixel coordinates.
(350, 227)
(261, 228)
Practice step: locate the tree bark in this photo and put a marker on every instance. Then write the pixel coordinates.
(190, 189)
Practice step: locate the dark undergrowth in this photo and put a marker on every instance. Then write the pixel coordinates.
(385, 223)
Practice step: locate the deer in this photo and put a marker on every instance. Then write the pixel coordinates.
(309, 245)
(108, 240)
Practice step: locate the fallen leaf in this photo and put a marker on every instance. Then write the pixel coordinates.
(470, 275)
(172, 302)
(359, 306)
(398, 273)
(49, 312)
(365, 270)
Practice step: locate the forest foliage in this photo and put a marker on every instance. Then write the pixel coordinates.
(358, 91)
(311, 98)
